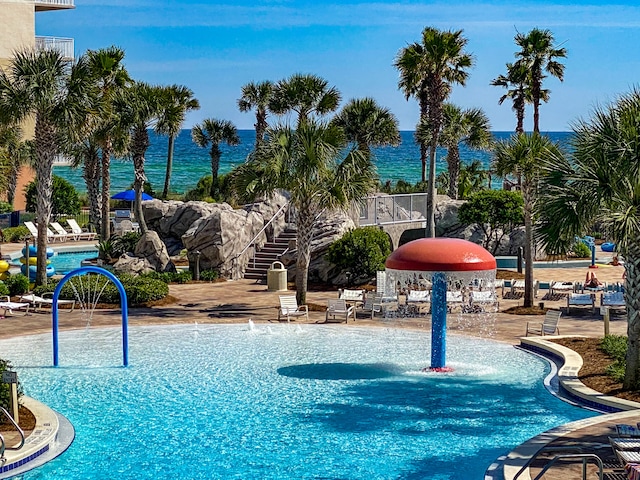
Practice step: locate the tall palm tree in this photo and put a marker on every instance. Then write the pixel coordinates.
(470, 127)
(57, 93)
(523, 155)
(139, 107)
(304, 94)
(367, 124)
(258, 96)
(515, 81)
(213, 132)
(310, 163)
(110, 77)
(178, 100)
(428, 71)
(599, 183)
(86, 154)
(538, 54)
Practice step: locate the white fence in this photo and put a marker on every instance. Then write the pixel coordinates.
(393, 209)
(63, 45)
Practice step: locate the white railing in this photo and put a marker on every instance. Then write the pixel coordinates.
(390, 209)
(61, 3)
(63, 45)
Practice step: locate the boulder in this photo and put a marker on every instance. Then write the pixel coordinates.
(269, 207)
(152, 249)
(132, 265)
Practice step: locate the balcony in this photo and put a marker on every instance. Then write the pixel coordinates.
(62, 45)
(44, 5)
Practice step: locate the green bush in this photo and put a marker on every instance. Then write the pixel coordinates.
(170, 277)
(4, 290)
(209, 275)
(616, 347)
(63, 201)
(6, 207)
(124, 243)
(202, 191)
(15, 234)
(580, 250)
(17, 284)
(5, 390)
(361, 251)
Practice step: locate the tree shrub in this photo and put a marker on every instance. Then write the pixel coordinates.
(209, 275)
(497, 212)
(6, 207)
(361, 251)
(64, 199)
(616, 347)
(15, 234)
(580, 250)
(5, 389)
(17, 284)
(4, 290)
(124, 243)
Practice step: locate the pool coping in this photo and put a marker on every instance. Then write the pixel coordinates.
(51, 436)
(571, 385)
(59, 248)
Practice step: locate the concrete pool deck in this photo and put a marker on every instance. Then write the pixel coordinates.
(239, 301)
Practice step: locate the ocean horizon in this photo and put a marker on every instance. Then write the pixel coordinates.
(192, 162)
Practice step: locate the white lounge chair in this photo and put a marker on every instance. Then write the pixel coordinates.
(289, 308)
(352, 296)
(581, 300)
(519, 285)
(39, 303)
(7, 306)
(372, 304)
(52, 237)
(339, 308)
(548, 327)
(419, 296)
(561, 288)
(59, 229)
(479, 300)
(76, 230)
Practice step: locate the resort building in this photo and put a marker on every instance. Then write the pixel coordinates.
(18, 31)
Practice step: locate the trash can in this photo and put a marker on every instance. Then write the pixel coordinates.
(277, 277)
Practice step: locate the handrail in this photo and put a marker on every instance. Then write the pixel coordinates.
(3, 446)
(583, 456)
(252, 241)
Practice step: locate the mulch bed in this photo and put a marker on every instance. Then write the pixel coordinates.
(27, 421)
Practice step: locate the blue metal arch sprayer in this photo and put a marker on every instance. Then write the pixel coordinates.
(123, 306)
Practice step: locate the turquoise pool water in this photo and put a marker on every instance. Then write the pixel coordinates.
(64, 262)
(283, 402)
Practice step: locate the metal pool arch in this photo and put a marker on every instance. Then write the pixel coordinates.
(123, 307)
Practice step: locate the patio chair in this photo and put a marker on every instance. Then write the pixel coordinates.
(381, 279)
(581, 300)
(613, 300)
(548, 327)
(289, 308)
(561, 288)
(372, 304)
(454, 298)
(59, 229)
(352, 296)
(33, 230)
(419, 296)
(479, 300)
(519, 285)
(46, 300)
(7, 306)
(80, 234)
(339, 308)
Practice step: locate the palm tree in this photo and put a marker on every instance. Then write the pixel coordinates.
(110, 77)
(304, 94)
(470, 127)
(17, 152)
(600, 184)
(310, 163)
(367, 124)
(178, 100)
(41, 84)
(515, 81)
(139, 107)
(86, 153)
(258, 96)
(538, 54)
(427, 71)
(213, 132)
(523, 155)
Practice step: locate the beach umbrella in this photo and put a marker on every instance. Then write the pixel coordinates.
(130, 196)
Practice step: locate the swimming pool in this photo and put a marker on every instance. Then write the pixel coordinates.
(283, 402)
(64, 262)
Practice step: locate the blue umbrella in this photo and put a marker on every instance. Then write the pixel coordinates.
(130, 196)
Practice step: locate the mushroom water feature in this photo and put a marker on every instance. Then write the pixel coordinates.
(448, 264)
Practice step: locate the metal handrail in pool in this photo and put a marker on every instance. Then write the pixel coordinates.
(3, 445)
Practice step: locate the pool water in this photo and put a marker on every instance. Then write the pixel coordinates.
(283, 402)
(64, 262)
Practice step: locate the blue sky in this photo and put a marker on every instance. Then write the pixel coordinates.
(216, 47)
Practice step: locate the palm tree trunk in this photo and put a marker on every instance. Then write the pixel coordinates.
(535, 93)
(527, 194)
(261, 126)
(632, 299)
(520, 116)
(167, 176)
(140, 144)
(453, 161)
(105, 229)
(91, 176)
(14, 173)
(45, 139)
(304, 222)
(215, 166)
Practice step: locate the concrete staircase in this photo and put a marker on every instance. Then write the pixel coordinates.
(270, 253)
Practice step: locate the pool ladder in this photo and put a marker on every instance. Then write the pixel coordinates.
(3, 446)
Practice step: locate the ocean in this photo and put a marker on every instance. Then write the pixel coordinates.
(192, 162)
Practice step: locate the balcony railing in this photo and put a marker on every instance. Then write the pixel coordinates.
(62, 45)
(42, 5)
